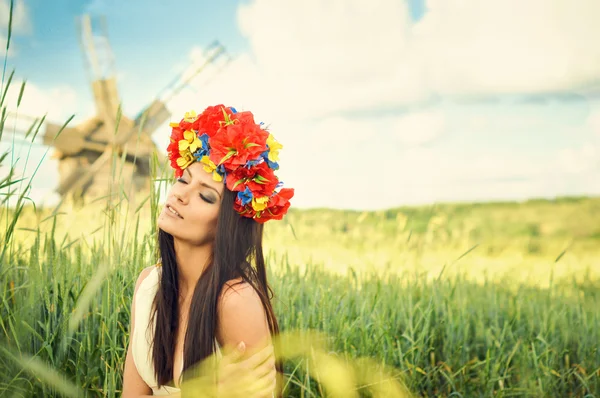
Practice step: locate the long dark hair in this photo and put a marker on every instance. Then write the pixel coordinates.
(237, 253)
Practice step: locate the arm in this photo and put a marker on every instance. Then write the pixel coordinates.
(241, 317)
(133, 384)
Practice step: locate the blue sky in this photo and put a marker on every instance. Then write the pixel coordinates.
(377, 105)
(155, 34)
(147, 38)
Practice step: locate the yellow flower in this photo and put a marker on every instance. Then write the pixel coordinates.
(190, 116)
(211, 167)
(185, 160)
(274, 148)
(190, 141)
(259, 204)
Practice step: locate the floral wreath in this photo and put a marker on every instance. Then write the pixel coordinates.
(238, 152)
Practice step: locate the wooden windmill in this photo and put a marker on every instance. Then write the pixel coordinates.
(84, 151)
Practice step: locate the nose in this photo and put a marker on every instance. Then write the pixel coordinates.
(181, 195)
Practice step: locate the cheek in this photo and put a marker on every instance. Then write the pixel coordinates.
(212, 223)
(206, 217)
(203, 228)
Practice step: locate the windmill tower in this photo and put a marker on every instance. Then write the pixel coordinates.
(84, 151)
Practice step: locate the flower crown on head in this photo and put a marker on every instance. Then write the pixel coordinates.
(237, 151)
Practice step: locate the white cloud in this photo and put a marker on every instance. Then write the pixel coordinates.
(593, 121)
(491, 47)
(419, 127)
(318, 58)
(370, 159)
(25, 161)
(580, 160)
(324, 57)
(585, 158)
(238, 83)
(58, 102)
(21, 24)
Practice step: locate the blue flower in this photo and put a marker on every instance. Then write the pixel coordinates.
(251, 163)
(221, 170)
(265, 156)
(203, 151)
(245, 196)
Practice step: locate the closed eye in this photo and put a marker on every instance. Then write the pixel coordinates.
(204, 198)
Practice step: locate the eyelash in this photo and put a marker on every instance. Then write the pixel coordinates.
(181, 180)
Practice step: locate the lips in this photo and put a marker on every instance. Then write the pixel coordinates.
(172, 210)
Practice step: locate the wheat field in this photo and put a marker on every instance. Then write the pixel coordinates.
(496, 299)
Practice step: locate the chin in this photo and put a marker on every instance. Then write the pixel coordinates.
(165, 223)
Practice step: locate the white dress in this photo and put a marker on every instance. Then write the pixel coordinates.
(141, 338)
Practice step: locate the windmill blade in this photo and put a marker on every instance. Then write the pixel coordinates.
(18, 138)
(157, 112)
(95, 45)
(152, 116)
(18, 122)
(21, 127)
(71, 140)
(79, 178)
(100, 64)
(215, 50)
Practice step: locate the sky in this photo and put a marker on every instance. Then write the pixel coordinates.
(378, 104)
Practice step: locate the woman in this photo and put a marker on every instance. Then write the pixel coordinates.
(209, 292)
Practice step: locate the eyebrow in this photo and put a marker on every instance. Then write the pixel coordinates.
(203, 183)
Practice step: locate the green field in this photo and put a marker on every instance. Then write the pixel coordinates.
(496, 299)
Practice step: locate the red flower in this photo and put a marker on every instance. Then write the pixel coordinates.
(173, 150)
(237, 175)
(244, 211)
(245, 117)
(185, 125)
(237, 143)
(234, 141)
(260, 179)
(264, 181)
(277, 207)
(211, 119)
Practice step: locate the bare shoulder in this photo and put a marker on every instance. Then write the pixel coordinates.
(133, 384)
(143, 275)
(238, 292)
(241, 315)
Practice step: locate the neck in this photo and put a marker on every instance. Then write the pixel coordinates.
(191, 262)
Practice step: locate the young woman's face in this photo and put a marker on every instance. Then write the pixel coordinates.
(196, 198)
